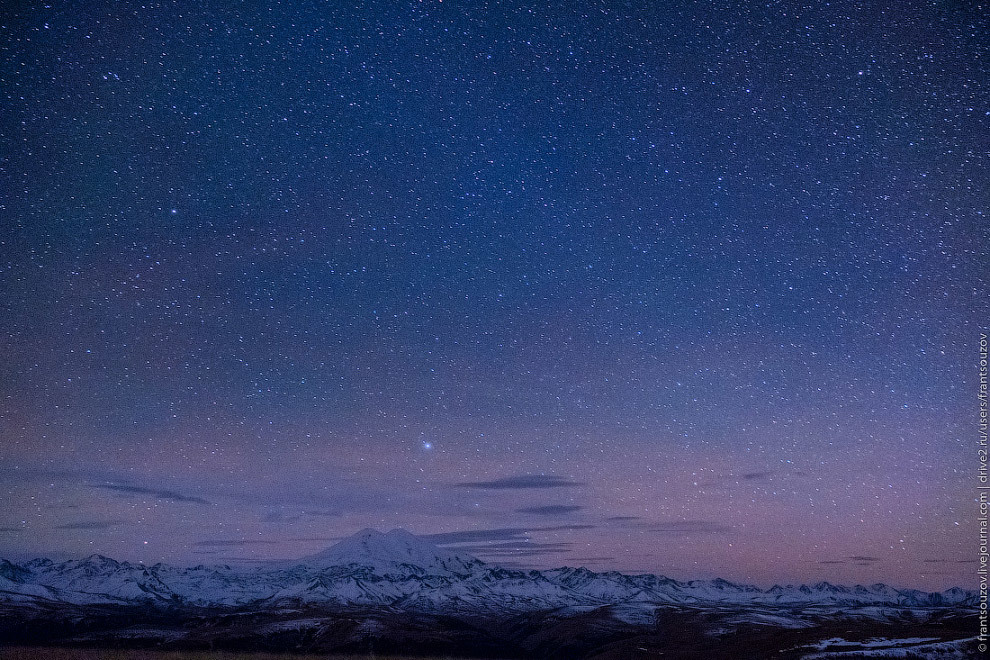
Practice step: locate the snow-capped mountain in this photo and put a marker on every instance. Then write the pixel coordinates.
(394, 553)
(395, 592)
(399, 570)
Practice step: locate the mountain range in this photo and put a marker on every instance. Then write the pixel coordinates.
(375, 591)
(400, 569)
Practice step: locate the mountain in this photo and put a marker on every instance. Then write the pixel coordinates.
(399, 569)
(394, 553)
(396, 593)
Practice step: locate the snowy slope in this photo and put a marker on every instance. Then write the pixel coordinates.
(398, 569)
(394, 553)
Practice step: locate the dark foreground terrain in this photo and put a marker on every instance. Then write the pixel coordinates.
(89, 632)
(57, 653)
(397, 594)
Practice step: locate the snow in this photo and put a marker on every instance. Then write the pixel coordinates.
(394, 553)
(293, 625)
(402, 570)
(876, 642)
(898, 648)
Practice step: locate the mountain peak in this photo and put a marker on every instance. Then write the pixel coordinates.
(399, 533)
(394, 551)
(366, 533)
(94, 562)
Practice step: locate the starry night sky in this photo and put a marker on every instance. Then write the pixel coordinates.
(690, 288)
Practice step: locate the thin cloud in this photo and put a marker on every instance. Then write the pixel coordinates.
(279, 517)
(516, 549)
(522, 481)
(477, 535)
(551, 510)
(232, 544)
(159, 494)
(630, 522)
(495, 535)
(90, 524)
(592, 559)
(748, 479)
(561, 528)
(677, 527)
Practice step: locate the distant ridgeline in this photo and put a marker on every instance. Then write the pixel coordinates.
(398, 568)
(379, 587)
